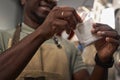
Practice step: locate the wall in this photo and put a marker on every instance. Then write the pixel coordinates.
(76, 3)
(9, 13)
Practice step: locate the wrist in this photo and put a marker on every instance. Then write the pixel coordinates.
(43, 34)
(107, 64)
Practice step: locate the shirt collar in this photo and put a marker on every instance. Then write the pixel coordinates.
(25, 28)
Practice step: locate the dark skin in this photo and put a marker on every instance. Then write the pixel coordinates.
(47, 19)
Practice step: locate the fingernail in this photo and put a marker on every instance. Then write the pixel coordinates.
(93, 30)
(107, 39)
(101, 32)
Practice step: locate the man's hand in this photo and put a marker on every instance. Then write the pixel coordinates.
(59, 19)
(108, 44)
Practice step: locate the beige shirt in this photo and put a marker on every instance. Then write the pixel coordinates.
(49, 60)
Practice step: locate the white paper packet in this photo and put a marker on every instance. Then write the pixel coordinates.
(83, 32)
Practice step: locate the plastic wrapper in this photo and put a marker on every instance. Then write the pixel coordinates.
(83, 32)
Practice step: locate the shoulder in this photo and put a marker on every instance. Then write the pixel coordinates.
(7, 32)
(5, 36)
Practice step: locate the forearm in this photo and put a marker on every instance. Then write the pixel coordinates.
(13, 60)
(99, 73)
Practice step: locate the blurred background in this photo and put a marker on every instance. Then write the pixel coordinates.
(104, 11)
(10, 11)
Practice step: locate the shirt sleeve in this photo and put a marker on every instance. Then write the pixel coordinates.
(77, 61)
(6, 38)
(74, 57)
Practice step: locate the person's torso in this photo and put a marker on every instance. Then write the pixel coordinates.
(49, 61)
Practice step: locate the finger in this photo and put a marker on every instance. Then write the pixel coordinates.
(61, 25)
(101, 27)
(56, 10)
(78, 19)
(60, 10)
(108, 34)
(112, 40)
(114, 43)
(71, 35)
(68, 16)
(67, 13)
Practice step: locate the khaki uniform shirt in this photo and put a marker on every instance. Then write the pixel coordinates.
(49, 61)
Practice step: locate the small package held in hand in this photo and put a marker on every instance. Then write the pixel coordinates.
(83, 32)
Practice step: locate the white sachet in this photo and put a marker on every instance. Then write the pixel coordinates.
(83, 32)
